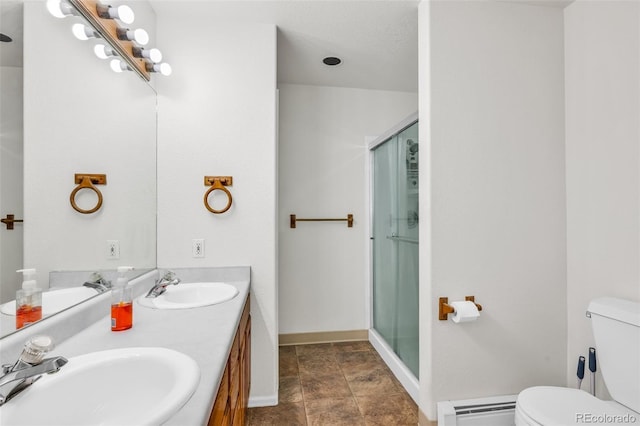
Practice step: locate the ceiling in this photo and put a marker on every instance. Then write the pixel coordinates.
(376, 40)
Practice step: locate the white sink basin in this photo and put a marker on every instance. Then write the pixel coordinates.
(130, 386)
(55, 300)
(191, 295)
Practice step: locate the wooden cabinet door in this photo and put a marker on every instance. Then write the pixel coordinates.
(232, 400)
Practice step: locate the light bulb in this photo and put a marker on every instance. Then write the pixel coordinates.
(103, 52)
(82, 32)
(118, 66)
(122, 13)
(164, 68)
(60, 9)
(140, 36)
(154, 55)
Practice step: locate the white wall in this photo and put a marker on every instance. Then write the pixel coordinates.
(323, 161)
(217, 116)
(11, 155)
(492, 102)
(81, 117)
(602, 57)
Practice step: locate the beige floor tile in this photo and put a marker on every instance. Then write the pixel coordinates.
(287, 350)
(288, 362)
(389, 409)
(315, 349)
(356, 357)
(352, 346)
(317, 364)
(324, 386)
(354, 364)
(333, 412)
(374, 382)
(285, 414)
(290, 389)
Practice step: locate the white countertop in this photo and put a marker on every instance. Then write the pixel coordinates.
(205, 334)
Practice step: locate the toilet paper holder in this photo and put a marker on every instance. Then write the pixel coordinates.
(445, 309)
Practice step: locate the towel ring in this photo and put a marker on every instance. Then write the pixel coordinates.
(218, 183)
(87, 182)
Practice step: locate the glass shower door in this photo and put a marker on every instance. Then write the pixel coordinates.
(395, 244)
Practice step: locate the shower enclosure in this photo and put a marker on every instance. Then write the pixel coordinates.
(394, 250)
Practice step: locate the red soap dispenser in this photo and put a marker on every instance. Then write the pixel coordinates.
(121, 302)
(28, 300)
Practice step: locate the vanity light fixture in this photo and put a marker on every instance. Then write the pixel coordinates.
(60, 9)
(122, 13)
(154, 55)
(104, 21)
(140, 36)
(104, 52)
(82, 32)
(164, 68)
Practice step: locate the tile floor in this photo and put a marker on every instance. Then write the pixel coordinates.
(336, 384)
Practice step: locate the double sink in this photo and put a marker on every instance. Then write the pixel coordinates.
(137, 385)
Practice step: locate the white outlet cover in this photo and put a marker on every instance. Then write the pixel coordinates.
(113, 249)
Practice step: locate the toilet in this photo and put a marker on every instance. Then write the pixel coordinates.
(616, 329)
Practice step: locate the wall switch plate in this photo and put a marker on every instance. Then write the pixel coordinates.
(113, 249)
(197, 247)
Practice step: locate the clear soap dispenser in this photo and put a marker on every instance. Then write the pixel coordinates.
(121, 302)
(28, 300)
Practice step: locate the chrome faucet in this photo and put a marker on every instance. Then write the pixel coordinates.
(97, 282)
(161, 285)
(29, 367)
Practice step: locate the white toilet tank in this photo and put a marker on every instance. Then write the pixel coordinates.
(616, 329)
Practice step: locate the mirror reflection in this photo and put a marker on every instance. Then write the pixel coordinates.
(64, 112)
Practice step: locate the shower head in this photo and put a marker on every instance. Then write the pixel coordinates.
(412, 145)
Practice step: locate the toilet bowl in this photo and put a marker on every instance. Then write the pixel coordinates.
(616, 329)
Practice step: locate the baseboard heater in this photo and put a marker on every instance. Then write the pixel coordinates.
(496, 411)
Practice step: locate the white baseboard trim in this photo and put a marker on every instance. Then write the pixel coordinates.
(263, 401)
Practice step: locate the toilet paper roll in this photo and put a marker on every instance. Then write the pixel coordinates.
(465, 311)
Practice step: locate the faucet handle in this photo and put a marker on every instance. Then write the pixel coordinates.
(36, 348)
(95, 277)
(169, 275)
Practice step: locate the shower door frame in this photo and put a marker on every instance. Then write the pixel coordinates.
(395, 364)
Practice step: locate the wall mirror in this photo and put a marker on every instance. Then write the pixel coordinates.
(78, 117)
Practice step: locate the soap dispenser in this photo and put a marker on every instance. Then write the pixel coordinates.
(28, 300)
(121, 302)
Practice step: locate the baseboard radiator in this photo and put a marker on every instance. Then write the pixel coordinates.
(495, 411)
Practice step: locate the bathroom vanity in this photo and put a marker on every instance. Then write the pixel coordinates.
(216, 337)
(230, 405)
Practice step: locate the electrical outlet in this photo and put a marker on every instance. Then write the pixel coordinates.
(197, 247)
(113, 249)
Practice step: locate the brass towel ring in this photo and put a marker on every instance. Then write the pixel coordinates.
(218, 183)
(87, 182)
